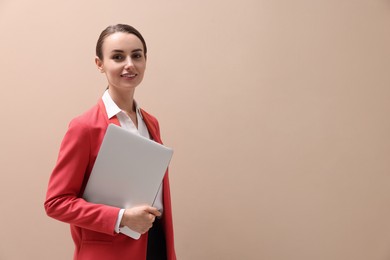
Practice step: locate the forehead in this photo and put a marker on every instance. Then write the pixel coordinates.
(122, 41)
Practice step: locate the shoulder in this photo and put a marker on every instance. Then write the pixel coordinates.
(91, 118)
(88, 122)
(87, 117)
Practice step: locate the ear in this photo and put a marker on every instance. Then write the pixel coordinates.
(99, 64)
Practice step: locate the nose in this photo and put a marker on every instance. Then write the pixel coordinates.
(129, 63)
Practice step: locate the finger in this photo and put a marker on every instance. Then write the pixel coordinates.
(154, 211)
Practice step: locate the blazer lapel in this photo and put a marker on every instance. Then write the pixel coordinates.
(112, 120)
(152, 128)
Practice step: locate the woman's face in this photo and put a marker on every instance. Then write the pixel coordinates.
(124, 61)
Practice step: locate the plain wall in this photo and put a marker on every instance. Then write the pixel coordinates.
(278, 112)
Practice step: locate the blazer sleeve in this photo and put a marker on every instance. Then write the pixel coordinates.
(66, 184)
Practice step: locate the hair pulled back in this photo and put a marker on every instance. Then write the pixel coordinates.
(114, 29)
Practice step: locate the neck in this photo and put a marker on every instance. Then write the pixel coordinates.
(124, 101)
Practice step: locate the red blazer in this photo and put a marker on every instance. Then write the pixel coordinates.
(92, 225)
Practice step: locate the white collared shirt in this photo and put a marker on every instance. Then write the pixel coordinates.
(126, 123)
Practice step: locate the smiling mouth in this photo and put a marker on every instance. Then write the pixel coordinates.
(128, 75)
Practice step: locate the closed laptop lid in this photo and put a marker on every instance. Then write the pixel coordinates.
(128, 170)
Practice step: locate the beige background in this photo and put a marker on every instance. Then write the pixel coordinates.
(278, 112)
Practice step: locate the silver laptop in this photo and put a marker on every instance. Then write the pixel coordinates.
(128, 171)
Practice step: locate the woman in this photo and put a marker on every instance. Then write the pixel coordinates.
(121, 56)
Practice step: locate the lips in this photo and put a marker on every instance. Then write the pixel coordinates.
(128, 75)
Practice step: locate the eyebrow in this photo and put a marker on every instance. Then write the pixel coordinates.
(121, 51)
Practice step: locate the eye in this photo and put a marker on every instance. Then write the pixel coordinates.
(137, 55)
(117, 57)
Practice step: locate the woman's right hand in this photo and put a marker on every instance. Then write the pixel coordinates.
(140, 219)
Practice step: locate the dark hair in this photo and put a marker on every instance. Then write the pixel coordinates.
(113, 29)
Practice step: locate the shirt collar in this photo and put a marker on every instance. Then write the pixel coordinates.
(112, 109)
